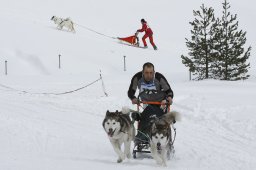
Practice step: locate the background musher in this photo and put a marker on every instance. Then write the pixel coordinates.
(152, 86)
(148, 33)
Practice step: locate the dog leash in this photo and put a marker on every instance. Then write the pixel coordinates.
(146, 135)
(87, 28)
(174, 128)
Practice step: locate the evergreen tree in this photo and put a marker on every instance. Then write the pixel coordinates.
(201, 44)
(230, 63)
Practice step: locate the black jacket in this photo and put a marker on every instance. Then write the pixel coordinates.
(159, 83)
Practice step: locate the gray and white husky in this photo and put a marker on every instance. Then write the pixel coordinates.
(161, 136)
(61, 22)
(119, 129)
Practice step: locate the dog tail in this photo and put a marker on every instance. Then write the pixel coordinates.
(127, 110)
(172, 116)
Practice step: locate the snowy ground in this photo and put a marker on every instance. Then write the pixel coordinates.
(63, 132)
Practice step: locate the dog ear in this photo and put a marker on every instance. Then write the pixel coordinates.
(166, 124)
(103, 123)
(107, 113)
(117, 113)
(153, 128)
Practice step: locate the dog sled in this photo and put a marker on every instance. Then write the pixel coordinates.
(131, 41)
(142, 141)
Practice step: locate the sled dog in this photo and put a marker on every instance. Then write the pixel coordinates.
(120, 130)
(161, 136)
(61, 22)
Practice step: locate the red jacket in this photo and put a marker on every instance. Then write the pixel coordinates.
(146, 28)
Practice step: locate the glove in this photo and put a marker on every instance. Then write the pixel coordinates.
(135, 116)
(170, 100)
(135, 101)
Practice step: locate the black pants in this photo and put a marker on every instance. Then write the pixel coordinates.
(148, 116)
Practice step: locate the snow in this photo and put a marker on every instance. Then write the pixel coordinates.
(63, 132)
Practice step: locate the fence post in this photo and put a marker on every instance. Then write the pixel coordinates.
(189, 75)
(124, 63)
(59, 61)
(5, 67)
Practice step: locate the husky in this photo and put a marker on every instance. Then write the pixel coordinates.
(68, 23)
(161, 136)
(119, 129)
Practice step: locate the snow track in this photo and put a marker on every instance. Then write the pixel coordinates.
(65, 131)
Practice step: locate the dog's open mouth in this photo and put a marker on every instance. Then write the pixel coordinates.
(158, 146)
(111, 133)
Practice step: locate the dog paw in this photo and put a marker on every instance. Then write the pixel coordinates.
(122, 156)
(159, 162)
(119, 160)
(129, 156)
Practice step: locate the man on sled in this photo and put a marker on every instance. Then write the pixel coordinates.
(152, 86)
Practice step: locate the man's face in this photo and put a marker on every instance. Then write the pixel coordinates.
(148, 73)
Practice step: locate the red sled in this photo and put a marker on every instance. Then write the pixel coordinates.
(132, 40)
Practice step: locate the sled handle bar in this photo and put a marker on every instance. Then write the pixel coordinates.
(156, 103)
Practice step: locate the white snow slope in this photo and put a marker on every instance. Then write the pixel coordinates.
(63, 132)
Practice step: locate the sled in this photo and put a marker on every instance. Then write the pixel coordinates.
(131, 40)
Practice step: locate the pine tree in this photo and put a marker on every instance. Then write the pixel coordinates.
(201, 44)
(231, 59)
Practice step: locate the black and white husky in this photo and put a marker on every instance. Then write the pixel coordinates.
(160, 136)
(119, 129)
(61, 22)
